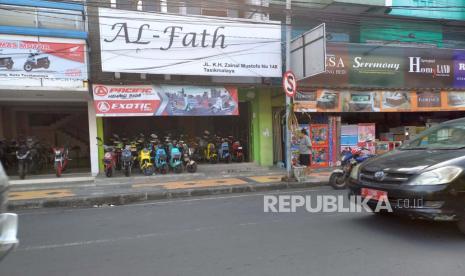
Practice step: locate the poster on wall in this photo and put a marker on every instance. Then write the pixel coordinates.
(428, 100)
(30, 62)
(396, 100)
(456, 99)
(154, 43)
(360, 101)
(165, 100)
(305, 101)
(327, 101)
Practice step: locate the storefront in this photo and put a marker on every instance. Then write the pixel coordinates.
(379, 97)
(44, 100)
(163, 75)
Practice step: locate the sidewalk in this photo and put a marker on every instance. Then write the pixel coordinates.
(122, 190)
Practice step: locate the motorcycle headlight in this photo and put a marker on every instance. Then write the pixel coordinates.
(438, 176)
(355, 172)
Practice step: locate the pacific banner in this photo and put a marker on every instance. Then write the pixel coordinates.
(164, 100)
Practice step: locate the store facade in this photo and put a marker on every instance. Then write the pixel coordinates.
(379, 97)
(43, 82)
(161, 74)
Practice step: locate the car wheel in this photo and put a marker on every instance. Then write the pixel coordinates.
(461, 225)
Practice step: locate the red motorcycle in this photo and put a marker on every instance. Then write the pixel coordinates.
(109, 160)
(238, 152)
(60, 159)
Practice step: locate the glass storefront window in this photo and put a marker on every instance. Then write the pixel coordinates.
(17, 16)
(41, 18)
(67, 20)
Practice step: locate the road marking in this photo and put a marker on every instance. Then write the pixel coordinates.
(195, 183)
(37, 194)
(266, 178)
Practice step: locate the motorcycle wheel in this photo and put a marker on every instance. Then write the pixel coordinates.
(164, 169)
(109, 172)
(192, 168)
(148, 170)
(127, 171)
(58, 170)
(228, 159)
(337, 180)
(27, 67)
(21, 171)
(178, 169)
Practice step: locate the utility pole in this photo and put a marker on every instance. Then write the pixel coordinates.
(288, 99)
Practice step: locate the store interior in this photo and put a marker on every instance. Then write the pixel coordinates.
(44, 126)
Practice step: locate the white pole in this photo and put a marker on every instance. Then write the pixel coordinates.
(288, 99)
(92, 134)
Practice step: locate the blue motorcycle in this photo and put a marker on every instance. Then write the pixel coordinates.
(223, 152)
(175, 160)
(349, 158)
(161, 163)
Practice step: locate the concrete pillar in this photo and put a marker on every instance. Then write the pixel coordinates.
(101, 151)
(94, 153)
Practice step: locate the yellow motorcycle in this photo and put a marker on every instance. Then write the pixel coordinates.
(211, 155)
(145, 161)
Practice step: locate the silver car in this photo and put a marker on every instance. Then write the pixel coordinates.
(8, 221)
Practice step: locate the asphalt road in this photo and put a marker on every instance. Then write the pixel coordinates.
(229, 236)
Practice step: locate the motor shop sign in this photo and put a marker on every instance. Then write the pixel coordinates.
(125, 100)
(38, 62)
(139, 42)
(165, 100)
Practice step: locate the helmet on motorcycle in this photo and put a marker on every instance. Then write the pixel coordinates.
(355, 151)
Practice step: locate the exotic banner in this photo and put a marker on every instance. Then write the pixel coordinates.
(326, 100)
(153, 43)
(164, 100)
(31, 62)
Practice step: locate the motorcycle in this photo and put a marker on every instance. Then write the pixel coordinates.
(118, 145)
(223, 152)
(175, 159)
(237, 152)
(189, 162)
(60, 160)
(24, 159)
(109, 159)
(127, 160)
(160, 160)
(210, 153)
(145, 161)
(33, 62)
(349, 158)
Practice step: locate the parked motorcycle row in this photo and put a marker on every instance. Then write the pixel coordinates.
(151, 154)
(30, 156)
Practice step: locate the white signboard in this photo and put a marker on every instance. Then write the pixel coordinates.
(139, 42)
(308, 53)
(42, 62)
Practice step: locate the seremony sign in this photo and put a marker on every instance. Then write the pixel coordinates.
(139, 42)
(164, 100)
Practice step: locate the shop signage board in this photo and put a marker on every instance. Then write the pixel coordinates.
(328, 100)
(384, 66)
(153, 43)
(33, 61)
(164, 100)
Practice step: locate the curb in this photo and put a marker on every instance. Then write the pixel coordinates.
(128, 198)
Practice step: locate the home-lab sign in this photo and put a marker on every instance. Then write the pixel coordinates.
(151, 43)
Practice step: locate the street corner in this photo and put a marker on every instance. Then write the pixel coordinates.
(40, 194)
